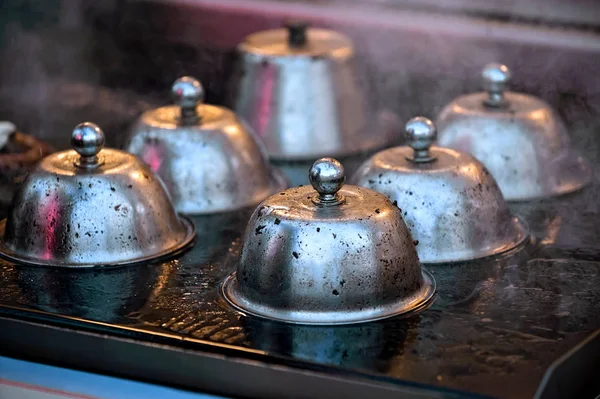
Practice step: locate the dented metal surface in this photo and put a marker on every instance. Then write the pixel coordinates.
(209, 160)
(450, 202)
(91, 207)
(518, 137)
(303, 100)
(341, 256)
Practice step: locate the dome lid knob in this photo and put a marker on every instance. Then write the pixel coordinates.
(420, 134)
(495, 79)
(87, 140)
(327, 177)
(188, 93)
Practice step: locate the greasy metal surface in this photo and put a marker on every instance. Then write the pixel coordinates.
(341, 256)
(495, 328)
(91, 207)
(450, 202)
(209, 160)
(518, 137)
(304, 100)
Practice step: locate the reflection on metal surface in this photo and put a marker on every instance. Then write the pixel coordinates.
(108, 295)
(518, 137)
(451, 204)
(346, 346)
(330, 255)
(86, 208)
(209, 160)
(303, 98)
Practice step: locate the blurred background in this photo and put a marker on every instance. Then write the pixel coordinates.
(64, 61)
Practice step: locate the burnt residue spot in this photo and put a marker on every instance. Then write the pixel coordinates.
(416, 242)
(377, 210)
(342, 282)
(318, 229)
(295, 254)
(281, 193)
(381, 174)
(395, 203)
(117, 207)
(130, 186)
(90, 185)
(335, 292)
(371, 181)
(277, 221)
(88, 234)
(455, 213)
(259, 229)
(334, 235)
(410, 193)
(112, 189)
(76, 235)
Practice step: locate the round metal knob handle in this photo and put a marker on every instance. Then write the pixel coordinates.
(87, 140)
(495, 79)
(296, 32)
(327, 177)
(188, 93)
(420, 134)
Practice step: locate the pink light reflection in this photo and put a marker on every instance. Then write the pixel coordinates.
(153, 157)
(265, 98)
(49, 213)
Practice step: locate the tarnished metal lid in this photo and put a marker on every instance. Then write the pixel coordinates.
(328, 254)
(298, 39)
(91, 207)
(209, 159)
(518, 137)
(450, 202)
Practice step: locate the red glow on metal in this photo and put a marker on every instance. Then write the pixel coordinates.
(153, 157)
(265, 100)
(49, 211)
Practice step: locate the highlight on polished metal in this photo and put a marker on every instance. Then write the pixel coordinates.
(91, 207)
(450, 202)
(328, 254)
(209, 160)
(298, 89)
(518, 137)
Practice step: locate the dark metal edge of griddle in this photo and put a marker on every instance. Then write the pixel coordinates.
(189, 364)
(572, 375)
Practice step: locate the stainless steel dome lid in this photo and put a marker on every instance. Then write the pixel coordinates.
(92, 207)
(339, 255)
(518, 137)
(209, 160)
(450, 202)
(297, 87)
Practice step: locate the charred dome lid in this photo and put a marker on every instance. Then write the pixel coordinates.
(209, 160)
(450, 202)
(328, 254)
(518, 137)
(92, 207)
(297, 87)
